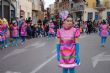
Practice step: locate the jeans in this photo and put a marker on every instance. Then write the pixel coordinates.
(23, 39)
(71, 70)
(50, 35)
(7, 42)
(103, 40)
(2, 43)
(15, 41)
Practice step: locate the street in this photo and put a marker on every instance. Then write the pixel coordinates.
(38, 55)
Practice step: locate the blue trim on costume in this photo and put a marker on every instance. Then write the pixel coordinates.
(58, 51)
(77, 60)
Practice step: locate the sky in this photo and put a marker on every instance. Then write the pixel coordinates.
(48, 2)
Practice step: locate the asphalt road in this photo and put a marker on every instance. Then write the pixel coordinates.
(39, 56)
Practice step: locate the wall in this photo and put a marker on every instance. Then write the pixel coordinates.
(26, 5)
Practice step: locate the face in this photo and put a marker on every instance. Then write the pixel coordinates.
(15, 24)
(68, 23)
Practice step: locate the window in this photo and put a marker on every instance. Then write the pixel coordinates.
(96, 16)
(72, 5)
(57, 0)
(108, 15)
(90, 15)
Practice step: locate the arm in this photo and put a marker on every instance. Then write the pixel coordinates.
(77, 46)
(4, 31)
(58, 45)
(77, 34)
(58, 49)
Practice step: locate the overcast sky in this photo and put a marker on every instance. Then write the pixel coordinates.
(48, 2)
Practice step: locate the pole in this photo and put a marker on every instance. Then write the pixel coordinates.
(10, 10)
(2, 8)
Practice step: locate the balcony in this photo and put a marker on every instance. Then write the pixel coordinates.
(106, 4)
(35, 7)
(78, 7)
(101, 7)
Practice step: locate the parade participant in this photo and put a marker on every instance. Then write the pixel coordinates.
(103, 32)
(85, 26)
(2, 37)
(15, 34)
(51, 32)
(68, 46)
(23, 32)
(6, 26)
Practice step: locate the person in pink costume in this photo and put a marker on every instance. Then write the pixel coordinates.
(103, 28)
(7, 34)
(68, 47)
(51, 32)
(84, 26)
(15, 34)
(23, 32)
(2, 34)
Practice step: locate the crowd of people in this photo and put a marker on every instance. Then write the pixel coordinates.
(67, 33)
(23, 29)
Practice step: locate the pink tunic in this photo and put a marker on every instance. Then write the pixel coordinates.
(7, 34)
(23, 31)
(51, 28)
(2, 37)
(67, 48)
(104, 30)
(15, 31)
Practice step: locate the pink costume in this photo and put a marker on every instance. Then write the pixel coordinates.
(15, 31)
(51, 28)
(2, 37)
(104, 30)
(67, 48)
(23, 31)
(7, 31)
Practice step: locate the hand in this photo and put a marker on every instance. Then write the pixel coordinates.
(77, 60)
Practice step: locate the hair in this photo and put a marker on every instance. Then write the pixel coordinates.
(69, 16)
(104, 22)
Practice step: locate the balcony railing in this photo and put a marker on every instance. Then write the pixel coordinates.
(78, 6)
(34, 7)
(105, 4)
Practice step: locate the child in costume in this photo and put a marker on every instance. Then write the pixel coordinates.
(15, 34)
(51, 32)
(2, 36)
(104, 27)
(85, 26)
(68, 46)
(23, 32)
(7, 35)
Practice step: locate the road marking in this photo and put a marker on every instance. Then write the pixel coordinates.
(53, 51)
(43, 64)
(19, 51)
(40, 45)
(15, 52)
(11, 72)
(100, 57)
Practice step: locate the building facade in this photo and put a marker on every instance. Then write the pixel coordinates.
(37, 10)
(25, 8)
(77, 8)
(8, 9)
(96, 9)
